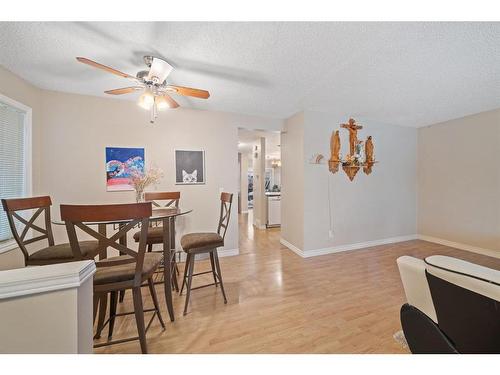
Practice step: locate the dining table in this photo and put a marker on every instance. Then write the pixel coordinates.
(164, 215)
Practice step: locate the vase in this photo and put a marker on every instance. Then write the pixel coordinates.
(139, 196)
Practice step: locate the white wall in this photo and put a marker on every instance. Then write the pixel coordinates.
(459, 180)
(372, 208)
(292, 181)
(259, 199)
(244, 182)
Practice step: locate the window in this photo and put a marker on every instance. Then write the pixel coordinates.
(15, 159)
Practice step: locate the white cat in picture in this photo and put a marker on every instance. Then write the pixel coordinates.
(190, 178)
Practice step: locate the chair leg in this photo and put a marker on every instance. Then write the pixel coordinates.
(212, 263)
(122, 295)
(113, 301)
(219, 274)
(186, 266)
(96, 306)
(175, 283)
(103, 304)
(139, 318)
(152, 291)
(190, 278)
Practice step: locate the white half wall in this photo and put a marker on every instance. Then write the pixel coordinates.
(47, 309)
(459, 181)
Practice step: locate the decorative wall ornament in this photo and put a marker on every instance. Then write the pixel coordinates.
(354, 161)
(189, 167)
(333, 163)
(121, 164)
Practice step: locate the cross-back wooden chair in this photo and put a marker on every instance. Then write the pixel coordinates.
(22, 227)
(128, 271)
(203, 243)
(162, 199)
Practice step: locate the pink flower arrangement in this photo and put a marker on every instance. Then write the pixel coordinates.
(141, 180)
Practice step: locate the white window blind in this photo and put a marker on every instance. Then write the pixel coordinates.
(12, 159)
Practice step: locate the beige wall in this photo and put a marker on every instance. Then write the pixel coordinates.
(459, 180)
(16, 88)
(292, 181)
(373, 207)
(70, 133)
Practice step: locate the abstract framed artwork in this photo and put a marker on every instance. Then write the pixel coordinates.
(121, 162)
(189, 167)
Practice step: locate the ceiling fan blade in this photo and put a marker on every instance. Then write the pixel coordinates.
(104, 67)
(171, 102)
(124, 90)
(188, 91)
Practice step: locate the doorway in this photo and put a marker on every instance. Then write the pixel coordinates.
(259, 197)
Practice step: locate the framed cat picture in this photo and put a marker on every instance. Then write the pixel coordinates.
(189, 167)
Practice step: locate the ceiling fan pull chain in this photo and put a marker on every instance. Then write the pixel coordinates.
(153, 114)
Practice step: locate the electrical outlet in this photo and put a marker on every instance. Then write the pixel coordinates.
(330, 233)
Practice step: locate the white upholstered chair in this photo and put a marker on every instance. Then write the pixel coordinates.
(453, 305)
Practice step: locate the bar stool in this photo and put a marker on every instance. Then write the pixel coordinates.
(115, 274)
(164, 199)
(51, 254)
(206, 243)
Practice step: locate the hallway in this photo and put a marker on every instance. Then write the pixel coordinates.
(253, 240)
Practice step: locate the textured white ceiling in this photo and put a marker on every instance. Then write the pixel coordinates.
(411, 74)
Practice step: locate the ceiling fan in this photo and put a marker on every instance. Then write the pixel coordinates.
(153, 84)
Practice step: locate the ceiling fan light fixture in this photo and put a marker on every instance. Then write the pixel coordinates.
(146, 100)
(162, 103)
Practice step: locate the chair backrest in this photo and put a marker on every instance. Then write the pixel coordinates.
(172, 198)
(12, 207)
(466, 297)
(226, 201)
(128, 215)
(412, 272)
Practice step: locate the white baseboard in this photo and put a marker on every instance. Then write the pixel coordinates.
(385, 241)
(340, 248)
(244, 212)
(294, 248)
(460, 246)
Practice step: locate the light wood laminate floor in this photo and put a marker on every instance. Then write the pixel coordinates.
(280, 303)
